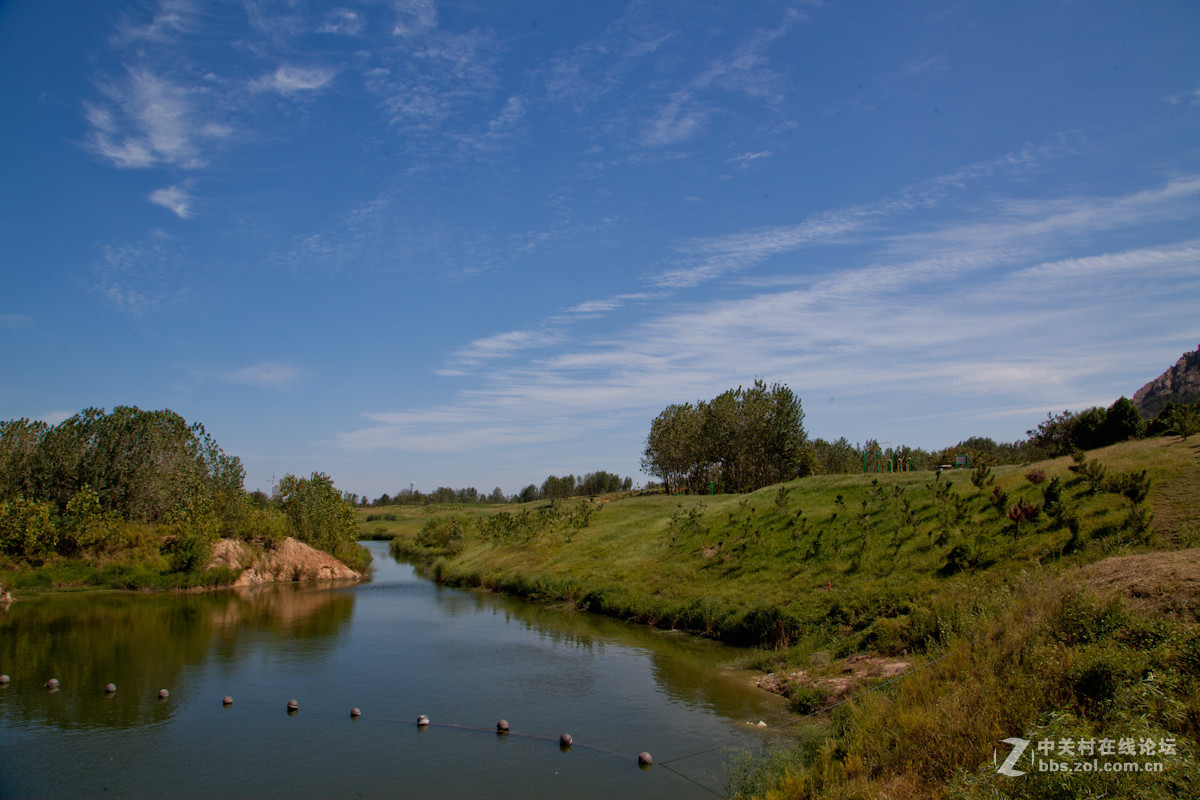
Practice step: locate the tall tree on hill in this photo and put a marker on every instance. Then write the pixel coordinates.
(743, 439)
(1123, 421)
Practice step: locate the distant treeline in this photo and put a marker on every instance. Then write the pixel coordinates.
(100, 486)
(749, 438)
(1058, 435)
(553, 488)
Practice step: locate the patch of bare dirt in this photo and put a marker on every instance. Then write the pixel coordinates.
(856, 671)
(1166, 581)
(291, 560)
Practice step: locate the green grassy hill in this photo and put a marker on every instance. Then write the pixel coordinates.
(1020, 636)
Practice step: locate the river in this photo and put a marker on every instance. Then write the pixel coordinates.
(396, 647)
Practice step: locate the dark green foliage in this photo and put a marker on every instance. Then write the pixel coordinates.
(981, 476)
(317, 514)
(193, 533)
(146, 486)
(1093, 473)
(27, 530)
(769, 626)
(1133, 486)
(805, 698)
(555, 487)
(141, 464)
(1122, 422)
(443, 534)
(1060, 434)
(961, 557)
(1183, 420)
(741, 440)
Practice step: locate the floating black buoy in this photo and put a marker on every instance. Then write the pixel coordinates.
(109, 688)
(293, 705)
(422, 721)
(163, 694)
(502, 726)
(356, 712)
(52, 684)
(227, 701)
(644, 760)
(565, 741)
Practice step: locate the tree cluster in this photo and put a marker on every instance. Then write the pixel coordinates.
(739, 441)
(1061, 434)
(87, 486)
(142, 465)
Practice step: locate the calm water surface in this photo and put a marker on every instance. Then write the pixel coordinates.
(395, 647)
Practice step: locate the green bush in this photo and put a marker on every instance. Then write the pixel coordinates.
(27, 530)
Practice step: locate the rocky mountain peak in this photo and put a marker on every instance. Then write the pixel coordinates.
(1179, 384)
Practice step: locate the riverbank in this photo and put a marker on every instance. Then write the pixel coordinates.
(1005, 628)
(232, 563)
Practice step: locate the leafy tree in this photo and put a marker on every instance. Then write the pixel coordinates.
(316, 513)
(141, 464)
(1061, 434)
(1183, 420)
(673, 448)
(835, 458)
(743, 439)
(555, 488)
(194, 531)
(1122, 422)
(27, 529)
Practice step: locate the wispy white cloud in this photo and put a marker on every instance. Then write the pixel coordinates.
(172, 18)
(430, 77)
(288, 79)
(14, 321)
(745, 70)
(601, 66)
(678, 120)
(1191, 98)
(136, 278)
(703, 260)
(342, 22)
(267, 375)
(505, 344)
(148, 120)
(921, 66)
(414, 17)
(746, 158)
(175, 199)
(911, 311)
(500, 129)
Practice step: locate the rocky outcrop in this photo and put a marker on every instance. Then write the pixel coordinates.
(1179, 384)
(289, 561)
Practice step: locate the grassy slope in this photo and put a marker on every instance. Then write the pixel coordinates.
(745, 552)
(1025, 650)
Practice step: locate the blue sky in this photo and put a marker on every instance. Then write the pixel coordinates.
(477, 243)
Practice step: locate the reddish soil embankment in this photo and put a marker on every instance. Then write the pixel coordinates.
(289, 561)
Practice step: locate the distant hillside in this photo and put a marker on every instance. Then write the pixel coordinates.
(1179, 384)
